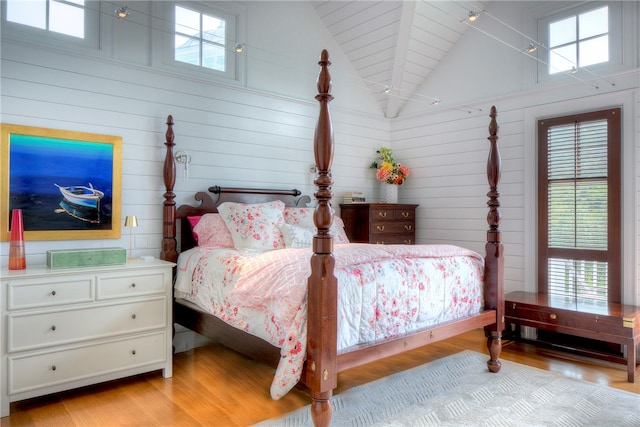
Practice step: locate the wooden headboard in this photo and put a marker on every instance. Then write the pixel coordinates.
(209, 204)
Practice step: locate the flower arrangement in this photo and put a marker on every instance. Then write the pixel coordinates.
(387, 170)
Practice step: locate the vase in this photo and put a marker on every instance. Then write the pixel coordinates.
(389, 193)
(17, 260)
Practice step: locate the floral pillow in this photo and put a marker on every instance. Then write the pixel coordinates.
(210, 231)
(304, 217)
(296, 236)
(254, 227)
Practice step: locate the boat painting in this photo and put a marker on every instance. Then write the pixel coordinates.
(81, 202)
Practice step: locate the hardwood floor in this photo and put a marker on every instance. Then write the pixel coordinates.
(213, 386)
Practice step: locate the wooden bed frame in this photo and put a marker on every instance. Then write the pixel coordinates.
(323, 361)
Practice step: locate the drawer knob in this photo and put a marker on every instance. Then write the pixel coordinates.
(380, 227)
(53, 293)
(53, 368)
(133, 316)
(408, 227)
(133, 352)
(552, 316)
(405, 214)
(133, 285)
(53, 327)
(382, 214)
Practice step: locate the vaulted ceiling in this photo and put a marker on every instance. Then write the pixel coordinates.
(394, 45)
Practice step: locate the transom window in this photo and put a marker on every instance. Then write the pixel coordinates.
(200, 39)
(579, 41)
(59, 16)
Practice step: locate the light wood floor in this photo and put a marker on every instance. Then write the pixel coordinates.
(213, 386)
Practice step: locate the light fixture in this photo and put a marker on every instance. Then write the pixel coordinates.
(435, 102)
(472, 16)
(238, 48)
(574, 70)
(122, 12)
(131, 221)
(386, 90)
(532, 48)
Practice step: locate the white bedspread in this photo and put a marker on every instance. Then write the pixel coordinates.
(384, 291)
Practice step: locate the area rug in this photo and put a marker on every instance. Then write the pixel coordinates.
(459, 391)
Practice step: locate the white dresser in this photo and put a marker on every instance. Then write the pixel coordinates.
(67, 328)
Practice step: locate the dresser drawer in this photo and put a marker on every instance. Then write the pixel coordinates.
(392, 239)
(41, 329)
(34, 371)
(391, 228)
(55, 291)
(382, 214)
(122, 286)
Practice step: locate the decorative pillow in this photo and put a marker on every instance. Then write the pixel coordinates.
(296, 236)
(193, 221)
(254, 227)
(211, 231)
(304, 217)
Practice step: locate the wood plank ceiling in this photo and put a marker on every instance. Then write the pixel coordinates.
(394, 45)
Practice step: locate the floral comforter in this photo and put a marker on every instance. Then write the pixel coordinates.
(384, 291)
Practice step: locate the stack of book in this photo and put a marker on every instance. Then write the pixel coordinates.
(354, 197)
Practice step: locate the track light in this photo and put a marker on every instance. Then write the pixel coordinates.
(531, 48)
(387, 90)
(472, 16)
(574, 70)
(122, 12)
(238, 48)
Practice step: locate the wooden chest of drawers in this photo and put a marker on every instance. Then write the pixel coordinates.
(68, 328)
(382, 223)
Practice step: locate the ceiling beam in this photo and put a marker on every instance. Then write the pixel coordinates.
(404, 35)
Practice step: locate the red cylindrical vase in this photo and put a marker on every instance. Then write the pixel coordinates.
(17, 259)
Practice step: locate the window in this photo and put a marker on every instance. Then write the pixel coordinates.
(579, 202)
(59, 16)
(579, 41)
(200, 39)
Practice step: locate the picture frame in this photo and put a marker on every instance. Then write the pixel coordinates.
(67, 183)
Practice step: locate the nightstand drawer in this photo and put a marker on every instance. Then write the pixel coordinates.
(64, 290)
(48, 369)
(122, 286)
(42, 329)
(391, 228)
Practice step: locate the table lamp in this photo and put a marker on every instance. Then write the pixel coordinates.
(131, 221)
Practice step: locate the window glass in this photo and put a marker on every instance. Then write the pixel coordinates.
(200, 39)
(579, 41)
(594, 23)
(64, 17)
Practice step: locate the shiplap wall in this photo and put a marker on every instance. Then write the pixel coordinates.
(449, 146)
(255, 134)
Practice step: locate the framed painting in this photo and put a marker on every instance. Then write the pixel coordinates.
(67, 183)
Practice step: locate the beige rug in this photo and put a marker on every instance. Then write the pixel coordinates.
(459, 391)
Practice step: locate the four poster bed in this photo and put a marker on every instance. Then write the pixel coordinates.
(292, 317)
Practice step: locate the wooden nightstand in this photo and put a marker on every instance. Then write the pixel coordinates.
(68, 328)
(383, 223)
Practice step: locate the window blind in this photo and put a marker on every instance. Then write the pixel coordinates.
(576, 208)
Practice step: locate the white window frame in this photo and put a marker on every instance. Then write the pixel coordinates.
(164, 51)
(25, 33)
(621, 33)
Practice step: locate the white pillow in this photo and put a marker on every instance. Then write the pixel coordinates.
(304, 217)
(254, 227)
(296, 236)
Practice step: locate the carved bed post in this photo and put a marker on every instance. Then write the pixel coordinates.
(169, 252)
(494, 258)
(321, 367)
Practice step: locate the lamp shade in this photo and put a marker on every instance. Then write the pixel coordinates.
(131, 221)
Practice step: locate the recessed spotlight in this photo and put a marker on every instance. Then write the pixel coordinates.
(122, 12)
